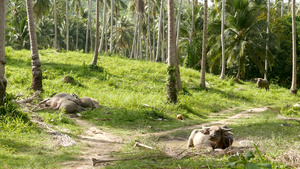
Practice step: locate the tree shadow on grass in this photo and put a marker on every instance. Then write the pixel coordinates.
(144, 119)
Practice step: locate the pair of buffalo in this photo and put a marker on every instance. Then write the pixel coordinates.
(71, 103)
(214, 137)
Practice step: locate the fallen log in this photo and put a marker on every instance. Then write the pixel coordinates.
(138, 144)
(287, 118)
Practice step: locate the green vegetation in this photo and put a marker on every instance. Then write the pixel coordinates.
(133, 97)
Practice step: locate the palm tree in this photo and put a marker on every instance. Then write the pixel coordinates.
(159, 29)
(294, 75)
(36, 64)
(140, 9)
(222, 76)
(178, 25)
(97, 36)
(67, 23)
(111, 25)
(77, 5)
(267, 45)
(281, 9)
(202, 78)
(244, 34)
(88, 25)
(171, 83)
(2, 52)
(192, 26)
(103, 34)
(55, 26)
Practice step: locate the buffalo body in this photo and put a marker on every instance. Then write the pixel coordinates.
(211, 137)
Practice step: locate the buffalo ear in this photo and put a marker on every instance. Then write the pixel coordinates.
(205, 130)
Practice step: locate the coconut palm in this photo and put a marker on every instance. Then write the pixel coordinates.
(244, 35)
(203, 61)
(88, 25)
(293, 89)
(97, 36)
(103, 34)
(55, 25)
(159, 29)
(67, 24)
(222, 76)
(171, 83)
(2, 52)
(36, 64)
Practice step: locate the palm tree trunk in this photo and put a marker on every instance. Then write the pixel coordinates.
(267, 45)
(91, 32)
(171, 83)
(3, 81)
(238, 75)
(103, 27)
(55, 26)
(192, 26)
(77, 26)
(111, 25)
(97, 36)
(294, 75)
(87, 29)
(133, 51)
(281, 9)
(35, 60)
(202, 78)
(178, 25)
(67, 22)
(222, 76)
(148, 34)
(139, 44)
(153, 38)
(163, 39)
(159, 30)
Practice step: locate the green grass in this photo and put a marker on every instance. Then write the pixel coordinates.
(123, 86)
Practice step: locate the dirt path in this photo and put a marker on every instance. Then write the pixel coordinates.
(97, 142)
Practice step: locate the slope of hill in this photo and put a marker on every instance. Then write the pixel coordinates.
(132, 95)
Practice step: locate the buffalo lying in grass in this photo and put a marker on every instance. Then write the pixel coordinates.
(71, 103)
(215, 137)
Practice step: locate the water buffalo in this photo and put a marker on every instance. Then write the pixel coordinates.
(88, 102)
(70, 103)
(211, 137)
(263, 83)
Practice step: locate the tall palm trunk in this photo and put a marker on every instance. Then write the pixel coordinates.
(192, 25)
(88, 25)
(67, 22)
(3, 81)
(202, 78)
(178, 25)
(267, 45)
(171, 83)
(222, 76)
(103, 27)
(163, 39)
(281, 9)
(35, 60)
(55, 26)
(294, 75)
(91, 32)
(77, 26)
(111, 25)
(159, 30)
(133, 50)
(97, 36)
(148, 34)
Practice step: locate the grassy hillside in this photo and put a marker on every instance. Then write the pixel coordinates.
(133, 96)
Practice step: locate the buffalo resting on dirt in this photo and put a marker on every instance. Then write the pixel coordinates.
(70, 103)
(214, 137)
